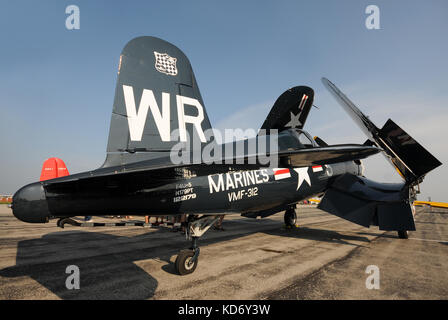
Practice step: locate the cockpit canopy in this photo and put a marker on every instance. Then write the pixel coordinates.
(287, 140)
(291, 139)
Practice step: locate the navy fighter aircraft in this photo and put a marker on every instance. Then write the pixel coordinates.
(158, 107)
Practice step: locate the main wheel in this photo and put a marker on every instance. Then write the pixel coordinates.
(403, 234)
(184, 265)
(290, 218)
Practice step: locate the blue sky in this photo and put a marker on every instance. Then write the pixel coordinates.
(57, 85)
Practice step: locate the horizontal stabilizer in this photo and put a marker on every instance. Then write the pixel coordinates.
(367, 203)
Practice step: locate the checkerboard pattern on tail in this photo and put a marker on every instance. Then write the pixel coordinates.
(165, 63)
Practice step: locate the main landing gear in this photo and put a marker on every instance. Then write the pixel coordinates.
(290, 218)
(187, 260)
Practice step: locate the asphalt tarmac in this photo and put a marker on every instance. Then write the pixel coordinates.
(324, 258)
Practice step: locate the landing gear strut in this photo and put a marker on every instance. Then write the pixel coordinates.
(290, 218)
(187, 260)
(403, 235)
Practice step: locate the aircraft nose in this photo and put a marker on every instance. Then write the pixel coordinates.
(29, 204)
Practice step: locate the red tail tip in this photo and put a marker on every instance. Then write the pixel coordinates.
(53, 168)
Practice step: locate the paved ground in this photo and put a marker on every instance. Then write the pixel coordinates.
(252, 259)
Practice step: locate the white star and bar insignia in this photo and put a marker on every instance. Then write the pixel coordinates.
(294, 123)
(303, 175)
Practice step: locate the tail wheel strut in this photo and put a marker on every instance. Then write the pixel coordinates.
(403, 235)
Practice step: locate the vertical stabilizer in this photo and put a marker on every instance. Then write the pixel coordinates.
(156, 94)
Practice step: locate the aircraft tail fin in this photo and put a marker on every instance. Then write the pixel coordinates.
(411, 160)
(157, 103)
(53, 168)
(290, 110)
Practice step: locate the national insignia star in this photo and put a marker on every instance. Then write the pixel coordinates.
(294, 123)
(303, 175)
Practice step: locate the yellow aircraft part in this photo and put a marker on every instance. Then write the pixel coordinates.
(431, 203)
(399, 172)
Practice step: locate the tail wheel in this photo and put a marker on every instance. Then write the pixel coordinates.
(403, 235)
(290, 218)
(184, 263)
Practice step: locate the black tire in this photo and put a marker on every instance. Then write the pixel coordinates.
(182, 263)
(290, 218)
(403, 235)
